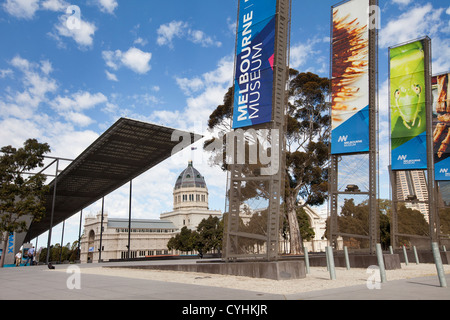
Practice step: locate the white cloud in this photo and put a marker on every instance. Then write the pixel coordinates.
(302, 54)
(5, 72)
(21, 9)
(415, 23)
(46, 67)
(108, 6)
(111, 76)
(140, 41)
(78, 101)
(167, 32)
(36, 85)
(402, 2)
(137, 60)
(190, 86)
(20, 116)
(55, 5)
(299, 54)
(179, 29)
(204, 93)
(83, 34)
(199, 37)
(70, 108)
(134, 59)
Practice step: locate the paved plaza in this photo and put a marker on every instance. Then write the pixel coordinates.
(40, 283)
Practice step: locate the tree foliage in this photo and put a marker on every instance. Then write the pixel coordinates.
(22, 195)
(207, 237)
(307, 140)
(65, 253)
(354, 219)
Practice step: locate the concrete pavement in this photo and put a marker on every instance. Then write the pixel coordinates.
(39, 283)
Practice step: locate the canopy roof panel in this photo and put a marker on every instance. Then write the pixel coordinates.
(126, 150)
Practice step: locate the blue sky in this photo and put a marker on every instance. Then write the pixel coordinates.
(167, 62)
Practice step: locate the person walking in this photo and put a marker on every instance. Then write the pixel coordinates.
(30, 256)
(18, 258)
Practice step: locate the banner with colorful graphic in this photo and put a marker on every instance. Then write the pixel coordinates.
(407, 106)
(255, 48)
(350, 78)
(441, 125)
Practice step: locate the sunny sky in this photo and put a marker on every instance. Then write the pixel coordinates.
(166, 62)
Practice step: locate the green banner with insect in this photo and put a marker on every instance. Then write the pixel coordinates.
(407, 106)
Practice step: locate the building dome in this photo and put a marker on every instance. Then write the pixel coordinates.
(190, 190)
(190, 178)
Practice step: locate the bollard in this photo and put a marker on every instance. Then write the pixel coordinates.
(390, 250)
(438, 262)
(381, 263)
(347, 261)
(307, 261)
(444, 248)
(406, 256)
(331, 263)
(415, 255)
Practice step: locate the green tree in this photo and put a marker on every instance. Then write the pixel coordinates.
(307, 141)
(182, 241)
(22, 196)
(444, 220)
(209, 234)
(412, 222)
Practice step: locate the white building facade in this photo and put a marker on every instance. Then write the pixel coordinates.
(148, 237)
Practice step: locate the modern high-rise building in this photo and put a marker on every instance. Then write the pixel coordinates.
(412, 185)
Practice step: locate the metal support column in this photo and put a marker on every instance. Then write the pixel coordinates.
(52, 213)
(432, 212)
(100, 249)
(394, 215)
(333, 201)
(373, 134)
(79, 235)
(129, 222)
(62, 241)
(275, 180)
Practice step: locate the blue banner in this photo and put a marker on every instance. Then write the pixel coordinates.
(350, 78)
(352, 136)
(411, 155)
(254, 63)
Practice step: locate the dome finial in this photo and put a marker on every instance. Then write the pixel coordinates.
(190, 163)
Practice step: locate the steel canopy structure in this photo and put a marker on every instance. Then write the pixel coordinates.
(125, 151)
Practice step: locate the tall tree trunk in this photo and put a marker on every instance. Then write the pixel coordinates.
(4, 237)
(295, 237)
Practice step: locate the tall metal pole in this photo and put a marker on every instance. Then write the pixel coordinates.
(62, 241)
(101, 232)
(52, 213)
(430, 150)
(373, 127)
(129, 221)
(79, 235)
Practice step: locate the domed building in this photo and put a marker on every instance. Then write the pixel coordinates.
(190, 200)
(149, 236)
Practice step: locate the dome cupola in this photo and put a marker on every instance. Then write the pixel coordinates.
(190, 190)
(190, 178)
